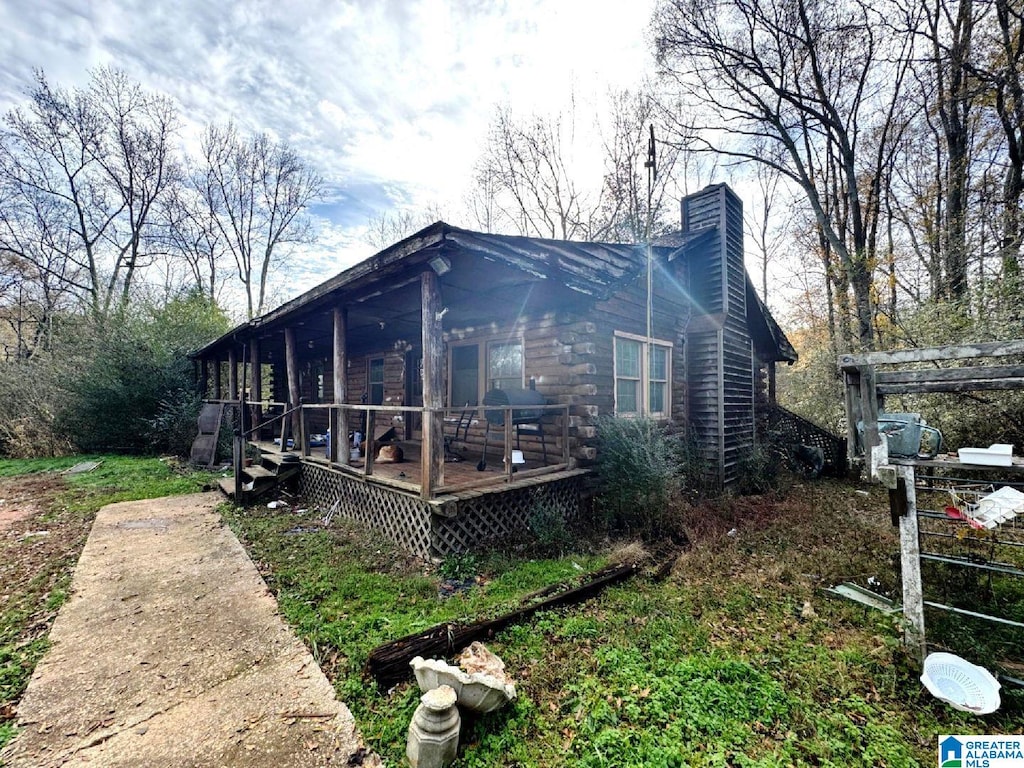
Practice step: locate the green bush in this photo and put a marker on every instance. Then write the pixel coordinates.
(642, 468)
(460, 566)
(758, 471)
(132, 393)
(173, 428)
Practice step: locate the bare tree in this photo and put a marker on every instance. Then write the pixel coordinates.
(388, 228)
(636, 205)
(193, 235)
(36, 278)
(83, 170)
(526, 179)
(255, 191)
(765, 223)
(948, 27)
(810, 88)
(1005, 75)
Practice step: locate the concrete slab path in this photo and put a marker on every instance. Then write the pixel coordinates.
(170, 652)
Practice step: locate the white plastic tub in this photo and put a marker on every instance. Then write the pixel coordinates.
(996, 455)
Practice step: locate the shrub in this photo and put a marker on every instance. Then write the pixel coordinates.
(757, 472)
(173, 428)
(133, 392)
(29, 393)
(642, 468)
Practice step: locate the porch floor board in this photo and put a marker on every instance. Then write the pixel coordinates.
(408, 471)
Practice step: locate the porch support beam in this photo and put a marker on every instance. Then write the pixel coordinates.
(338, 422)
(255, 383)
(433, 383)
(232, 374)
(204, 378)
(291, 359)
(218, 389)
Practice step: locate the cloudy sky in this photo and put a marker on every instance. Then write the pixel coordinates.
(389, 99)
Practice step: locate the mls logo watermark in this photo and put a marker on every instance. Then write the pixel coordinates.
(981, 751)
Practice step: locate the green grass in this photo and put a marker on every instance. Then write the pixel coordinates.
(42, 565)
(721, 664)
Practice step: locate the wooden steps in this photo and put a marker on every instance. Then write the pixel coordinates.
(274, 468)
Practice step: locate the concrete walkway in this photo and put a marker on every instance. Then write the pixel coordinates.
(170, 652)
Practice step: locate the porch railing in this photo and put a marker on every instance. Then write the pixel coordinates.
(432, 483)
(341, 416)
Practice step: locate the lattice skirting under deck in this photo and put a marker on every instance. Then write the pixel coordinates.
(488, 517)
(498, 516)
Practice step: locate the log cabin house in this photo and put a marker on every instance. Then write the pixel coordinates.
(488, 358)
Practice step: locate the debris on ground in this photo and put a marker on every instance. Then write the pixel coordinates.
(83, 466)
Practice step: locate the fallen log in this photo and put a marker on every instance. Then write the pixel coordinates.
(389, 663)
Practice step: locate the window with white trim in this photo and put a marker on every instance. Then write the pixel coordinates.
(643, 374)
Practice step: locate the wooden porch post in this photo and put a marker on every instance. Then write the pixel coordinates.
(218, 388)
(255, 383)
(204, 378)
(339, 423)
(232, 374)
(292, 366)
(433, 398)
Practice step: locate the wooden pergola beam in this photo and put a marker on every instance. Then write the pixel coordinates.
(931, 354)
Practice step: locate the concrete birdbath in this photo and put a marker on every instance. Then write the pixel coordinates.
(481, 684)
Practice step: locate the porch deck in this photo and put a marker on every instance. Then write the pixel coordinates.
(460, 476)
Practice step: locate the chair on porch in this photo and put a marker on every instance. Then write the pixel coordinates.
(461, 428)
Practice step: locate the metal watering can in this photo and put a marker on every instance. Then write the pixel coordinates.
(907, 435)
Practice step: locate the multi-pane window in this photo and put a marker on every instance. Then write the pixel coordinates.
(476, 368)
(657, 380)
(642, 377)
(628, 354)
(505, 365)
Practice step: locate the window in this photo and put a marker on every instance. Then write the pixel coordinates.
(475, 368)
(375, 384)
(627, 376)
(642, 376)
(657, 380)
(505, 365)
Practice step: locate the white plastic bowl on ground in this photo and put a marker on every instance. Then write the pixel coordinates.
(960, 684)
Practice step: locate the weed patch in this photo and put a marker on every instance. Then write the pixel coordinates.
(736, 659)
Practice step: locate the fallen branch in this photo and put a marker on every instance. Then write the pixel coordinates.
(389, 663)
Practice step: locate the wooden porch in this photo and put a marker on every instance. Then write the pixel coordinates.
(485, 492)
(482, 446)
(482, 499)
